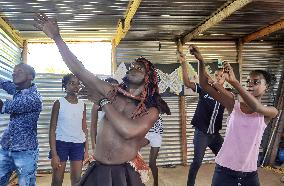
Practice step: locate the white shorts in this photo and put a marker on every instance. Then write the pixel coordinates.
(154, 138)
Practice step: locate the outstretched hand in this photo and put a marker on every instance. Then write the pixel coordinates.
(193, 50)
(229, 73)
(48, 26)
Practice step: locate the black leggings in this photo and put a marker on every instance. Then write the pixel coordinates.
(226, 177)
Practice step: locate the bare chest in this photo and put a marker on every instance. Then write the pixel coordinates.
(125, 105)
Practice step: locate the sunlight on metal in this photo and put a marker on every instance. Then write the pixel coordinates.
(124, 26)
(11, 32)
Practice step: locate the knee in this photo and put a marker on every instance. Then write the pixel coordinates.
(57, 179)
(196, 163)
(152, 164)
(75, 180)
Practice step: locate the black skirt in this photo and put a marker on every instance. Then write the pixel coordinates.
(99, 174)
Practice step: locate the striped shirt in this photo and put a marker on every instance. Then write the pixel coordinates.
(208, 115)
(158, 126)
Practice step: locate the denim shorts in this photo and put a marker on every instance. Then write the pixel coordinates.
(69, 150)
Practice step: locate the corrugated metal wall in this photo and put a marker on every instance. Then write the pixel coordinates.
(256, 55)
(10, 55)
(265, 56)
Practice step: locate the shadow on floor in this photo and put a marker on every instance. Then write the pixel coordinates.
(177, 177)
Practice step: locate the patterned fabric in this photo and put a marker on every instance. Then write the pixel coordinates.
(158, 126)
(141, 167)
(24, 110)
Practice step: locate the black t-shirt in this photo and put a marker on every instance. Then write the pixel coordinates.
(208, 115)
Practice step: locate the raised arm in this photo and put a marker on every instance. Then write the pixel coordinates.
(268, 111)
(185, 77)
(8, 86)
(50, 28)
(219, 93)
(23, 104)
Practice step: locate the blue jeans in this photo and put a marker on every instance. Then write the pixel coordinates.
(224, 176)
(23, 162)
(201, 141)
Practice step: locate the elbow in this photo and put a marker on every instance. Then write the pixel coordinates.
(187, 84)
(128, 136)
(256, 108)
(204, 84)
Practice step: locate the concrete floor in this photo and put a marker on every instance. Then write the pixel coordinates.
(178, 176)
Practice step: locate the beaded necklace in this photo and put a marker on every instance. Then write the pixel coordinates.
(127, 94)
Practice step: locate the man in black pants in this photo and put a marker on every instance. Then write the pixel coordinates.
(207, 119)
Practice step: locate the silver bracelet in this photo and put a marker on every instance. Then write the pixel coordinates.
(103, 102)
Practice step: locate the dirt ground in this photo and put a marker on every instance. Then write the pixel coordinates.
(177, 177)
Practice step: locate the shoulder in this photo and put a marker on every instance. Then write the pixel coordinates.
(272, 112)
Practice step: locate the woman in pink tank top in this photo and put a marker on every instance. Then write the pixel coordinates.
(237, 159)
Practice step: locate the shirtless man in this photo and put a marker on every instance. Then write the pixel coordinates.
(130, 109)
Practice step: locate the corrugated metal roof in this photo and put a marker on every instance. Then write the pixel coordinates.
(154, 20)
(95, 18)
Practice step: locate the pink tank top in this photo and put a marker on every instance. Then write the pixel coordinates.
(240, 149)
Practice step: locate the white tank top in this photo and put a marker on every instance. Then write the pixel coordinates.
(69, 123)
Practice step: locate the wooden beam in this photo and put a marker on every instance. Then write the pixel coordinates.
(11, 32)
(25, 52)
(223, 12)
(278, 135)
(279, 25)
(182, 112)
(113, 58)
(274, 124)
(240, 47)
(124, 24)
(183, 129)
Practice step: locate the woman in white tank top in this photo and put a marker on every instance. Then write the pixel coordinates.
(68, 135)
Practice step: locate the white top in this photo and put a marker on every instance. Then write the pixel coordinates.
(69, 123)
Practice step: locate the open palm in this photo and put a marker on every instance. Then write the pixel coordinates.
(48, 26)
